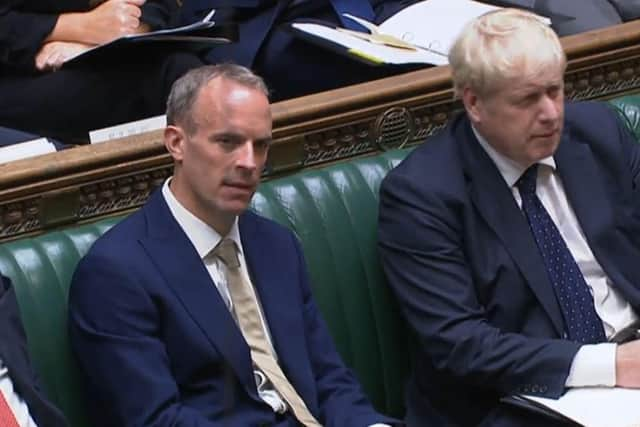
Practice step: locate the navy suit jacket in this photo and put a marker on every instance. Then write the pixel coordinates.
(13, 353)
(460, 256)
(158, 346)
(290, 66)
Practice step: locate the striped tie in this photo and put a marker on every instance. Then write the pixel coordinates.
(7, 419)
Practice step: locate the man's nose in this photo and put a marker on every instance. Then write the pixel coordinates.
(246, 156)
(549, 109)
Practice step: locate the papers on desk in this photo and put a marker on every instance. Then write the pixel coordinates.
(26, 149)
(589, 406)
(127, 129)
(195, 37)
(430, 27)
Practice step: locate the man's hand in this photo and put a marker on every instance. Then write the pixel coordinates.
(113, 19)
(53, 54)
(628, 365)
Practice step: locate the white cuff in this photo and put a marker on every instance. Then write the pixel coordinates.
(593, 365)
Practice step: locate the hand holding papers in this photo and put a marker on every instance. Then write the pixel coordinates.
(194, 37)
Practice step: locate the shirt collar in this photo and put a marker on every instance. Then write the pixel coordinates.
(202, 236)
(510, 170)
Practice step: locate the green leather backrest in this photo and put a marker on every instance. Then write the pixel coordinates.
(629, 109)
(334, 213)
(41, 269)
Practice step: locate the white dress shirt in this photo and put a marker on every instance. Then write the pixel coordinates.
(204, 238)
(17, 405)
(594, 364)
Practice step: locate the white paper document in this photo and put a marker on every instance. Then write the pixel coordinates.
(197, 36)
(128, 129)
(596, 406)
(376, 53)
(431, 26)
(26, 149)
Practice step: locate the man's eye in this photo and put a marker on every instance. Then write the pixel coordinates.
(554, 91)
(225, 140)
(262, 145)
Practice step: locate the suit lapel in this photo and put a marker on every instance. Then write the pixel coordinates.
(591, 202)
(584, 189)
(495, 202)
(192, 285)
(287, 331)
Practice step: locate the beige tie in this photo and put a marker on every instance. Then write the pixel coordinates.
(246, 308)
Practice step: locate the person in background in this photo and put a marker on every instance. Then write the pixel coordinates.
(41, 96)
(511, 239)
(293, 67)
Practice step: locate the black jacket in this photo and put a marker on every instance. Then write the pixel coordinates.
(24, 24)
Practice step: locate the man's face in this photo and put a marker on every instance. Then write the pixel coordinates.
(523, 118)
(218, 168)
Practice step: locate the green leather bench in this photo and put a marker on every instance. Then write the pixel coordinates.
(334, 213)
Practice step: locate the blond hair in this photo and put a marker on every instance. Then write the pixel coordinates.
(501, 45)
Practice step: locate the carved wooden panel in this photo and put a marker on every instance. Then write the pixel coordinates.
(105, 179)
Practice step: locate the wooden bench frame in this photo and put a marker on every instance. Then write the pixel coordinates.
(88, 182)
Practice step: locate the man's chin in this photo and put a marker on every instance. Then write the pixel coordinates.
(546, 146)
(237, 205)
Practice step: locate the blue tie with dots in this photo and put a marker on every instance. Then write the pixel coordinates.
(580, 317)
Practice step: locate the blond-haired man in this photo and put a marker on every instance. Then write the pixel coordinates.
(511, 238)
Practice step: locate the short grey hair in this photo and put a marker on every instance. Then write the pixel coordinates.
(501, 45)
(185, 90)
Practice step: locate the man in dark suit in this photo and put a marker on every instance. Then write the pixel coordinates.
(194, 311)
(22, 402)
(293, 67)
(512, 238)
(37, 37)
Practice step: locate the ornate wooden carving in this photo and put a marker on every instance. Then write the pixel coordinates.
(92, 181)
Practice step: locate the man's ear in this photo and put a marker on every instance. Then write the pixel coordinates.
(471, 103)
(174, 140)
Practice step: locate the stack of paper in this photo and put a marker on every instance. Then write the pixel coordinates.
(128, 129)
(431, 26)
(591, 406)
(26, 149)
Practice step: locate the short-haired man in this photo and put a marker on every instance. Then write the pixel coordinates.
(196, 312)
(512, 238)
